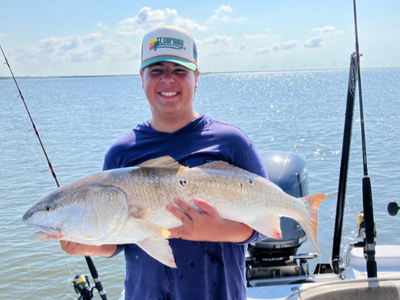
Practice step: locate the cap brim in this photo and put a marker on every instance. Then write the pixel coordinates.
(173, 59)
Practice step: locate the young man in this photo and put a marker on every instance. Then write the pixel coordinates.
(209, 251)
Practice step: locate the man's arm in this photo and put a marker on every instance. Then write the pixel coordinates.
(88, 250)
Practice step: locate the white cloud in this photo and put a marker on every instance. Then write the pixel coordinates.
(187, 24)
(313, 43)
(115, 51)
(223, 10)
(220, 14)
(148, 19)
(108, 47)
(70, 43)
(262, 51)
(285, 46)
(243, 47)
(263, 42)
(256, 36)
(77, 49)
(147, 15)
(217, 39)
(101, 26)
(326, 30)
(26, 53)
(54, 44)
(92, 37)
(1, 34)
(215, 18)
(216, 45)
(268, 29)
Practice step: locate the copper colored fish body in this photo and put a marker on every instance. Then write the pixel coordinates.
(128, 205)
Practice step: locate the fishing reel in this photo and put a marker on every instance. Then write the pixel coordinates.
(361, 226)
(82, 287)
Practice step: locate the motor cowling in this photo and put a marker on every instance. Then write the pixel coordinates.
(269, 256)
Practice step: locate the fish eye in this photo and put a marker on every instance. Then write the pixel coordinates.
(48, 208)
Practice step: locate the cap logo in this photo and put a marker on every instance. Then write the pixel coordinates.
(166, 42)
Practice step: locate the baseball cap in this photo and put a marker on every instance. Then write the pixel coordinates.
(170, 44)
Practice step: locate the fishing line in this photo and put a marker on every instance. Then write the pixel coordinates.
(89, 261)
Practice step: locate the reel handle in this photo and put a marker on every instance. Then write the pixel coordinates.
(393, 208)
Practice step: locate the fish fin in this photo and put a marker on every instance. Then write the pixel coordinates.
(217, 165)
(225, 166)
(310, 226)
(156, 244)
(159, 249)
(41, 236)
(269, 183)
(162, 162)
(151, 228)
(270, 226)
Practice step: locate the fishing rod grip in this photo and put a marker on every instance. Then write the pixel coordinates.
(372, 269)
(368, 210)
(369, 248)
(96, 278)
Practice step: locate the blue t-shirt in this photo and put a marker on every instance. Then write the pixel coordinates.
(205, 270)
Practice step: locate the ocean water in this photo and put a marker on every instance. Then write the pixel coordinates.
(79, 118)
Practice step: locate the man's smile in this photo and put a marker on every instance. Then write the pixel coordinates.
(168, 94)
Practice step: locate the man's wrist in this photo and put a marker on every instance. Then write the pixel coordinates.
(236, 232)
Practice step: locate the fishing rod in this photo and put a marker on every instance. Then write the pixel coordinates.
(89, 261)
(336, 260)
(367, 220)
(369, 242)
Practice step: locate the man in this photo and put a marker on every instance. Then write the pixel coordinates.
(209, 251)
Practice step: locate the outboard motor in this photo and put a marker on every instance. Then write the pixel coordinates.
(272, 258)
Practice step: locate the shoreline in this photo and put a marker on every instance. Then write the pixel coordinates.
(202, 73)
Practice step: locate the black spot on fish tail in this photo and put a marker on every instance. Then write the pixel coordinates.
(250, 181)
(182, 182)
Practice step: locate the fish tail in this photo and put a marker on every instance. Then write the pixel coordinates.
(311, 224)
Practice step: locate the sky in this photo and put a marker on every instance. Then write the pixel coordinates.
(102, 37)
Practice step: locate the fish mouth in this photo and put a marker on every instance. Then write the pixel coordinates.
(45, 233)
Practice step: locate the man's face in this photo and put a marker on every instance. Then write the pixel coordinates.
(169, 88)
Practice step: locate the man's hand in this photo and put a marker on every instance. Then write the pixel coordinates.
(88, 250)
(206, 224)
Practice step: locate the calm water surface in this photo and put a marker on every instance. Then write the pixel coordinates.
(79, 118)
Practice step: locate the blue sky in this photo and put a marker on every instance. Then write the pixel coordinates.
(87, 37)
